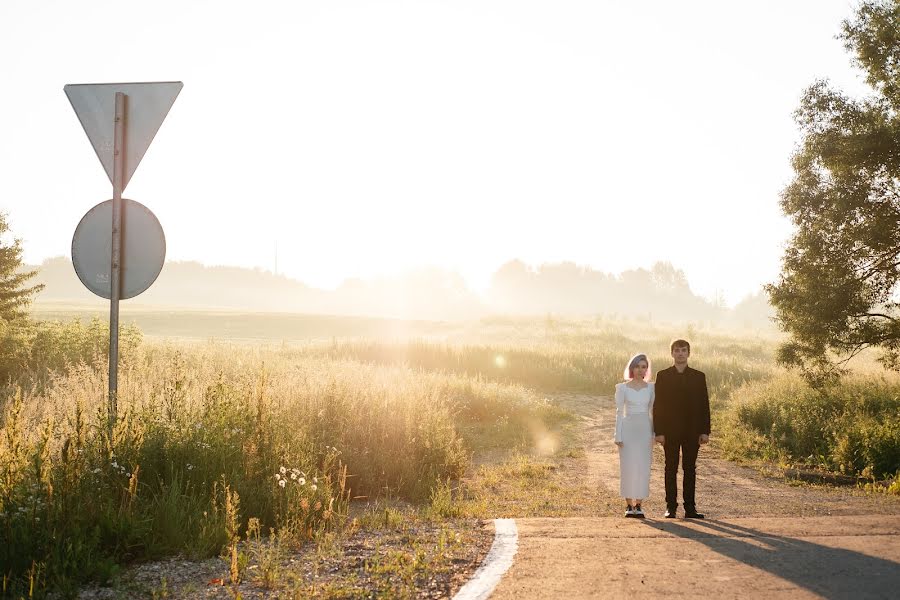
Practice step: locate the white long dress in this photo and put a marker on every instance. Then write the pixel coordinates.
(634, 428)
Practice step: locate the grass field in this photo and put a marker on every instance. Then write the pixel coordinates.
(288, 434)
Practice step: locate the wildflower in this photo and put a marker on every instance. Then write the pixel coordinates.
(293, 476)
(190, 467)
(127, 474)
(115, 465)
(277, 476)
(95, 471)
(313, 487)
(315, 480)
(302, 481)
(283, 470)
(281, 482)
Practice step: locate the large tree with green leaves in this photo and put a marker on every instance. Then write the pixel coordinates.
(838, 291)
(15, 294)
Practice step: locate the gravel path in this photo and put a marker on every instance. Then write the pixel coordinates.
(763, 536)
(724, 488)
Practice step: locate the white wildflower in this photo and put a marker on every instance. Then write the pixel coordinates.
(302, 481)
(281, 482)
(293, 476)
(283, 470)
(313, 487)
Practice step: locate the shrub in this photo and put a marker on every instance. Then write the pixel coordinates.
(851, 427)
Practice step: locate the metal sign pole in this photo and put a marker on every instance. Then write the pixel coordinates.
(115, 279)
(120, 120)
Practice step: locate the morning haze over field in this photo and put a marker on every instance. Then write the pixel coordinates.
(659, 293)
(455, 135)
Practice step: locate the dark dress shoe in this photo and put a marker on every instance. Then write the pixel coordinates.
(671, 513)
(693, 514)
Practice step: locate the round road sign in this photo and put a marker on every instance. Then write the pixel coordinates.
(143, 248)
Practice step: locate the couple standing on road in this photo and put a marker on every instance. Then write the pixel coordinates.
(675, 412)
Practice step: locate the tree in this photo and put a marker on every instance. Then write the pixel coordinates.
(669, 279)
(14, 295)
(837, 293)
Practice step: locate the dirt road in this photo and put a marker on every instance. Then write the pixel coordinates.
(762, 537)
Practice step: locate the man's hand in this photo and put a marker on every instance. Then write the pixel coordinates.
(661, 439)
(704, 439)
(619, 444)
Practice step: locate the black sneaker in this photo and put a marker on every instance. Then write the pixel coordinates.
(671, 512)
(638, 513)
(629, 512)
(693, 514)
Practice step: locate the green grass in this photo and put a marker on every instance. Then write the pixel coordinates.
(850, 428)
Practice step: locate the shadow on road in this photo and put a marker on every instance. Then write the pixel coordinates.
(830, 572)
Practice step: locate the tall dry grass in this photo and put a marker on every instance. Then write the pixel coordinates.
(212, 434)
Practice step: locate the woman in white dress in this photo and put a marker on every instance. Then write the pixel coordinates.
(634, 433)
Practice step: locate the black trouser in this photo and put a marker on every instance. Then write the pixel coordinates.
(688, 449)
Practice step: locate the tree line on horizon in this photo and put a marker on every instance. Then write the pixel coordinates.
(660, 293)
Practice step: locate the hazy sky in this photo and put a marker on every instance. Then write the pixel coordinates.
(370, 137)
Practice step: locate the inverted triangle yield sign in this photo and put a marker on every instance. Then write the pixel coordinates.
(147, 105)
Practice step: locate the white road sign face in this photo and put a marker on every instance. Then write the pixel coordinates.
(143, 249)
(146, 107)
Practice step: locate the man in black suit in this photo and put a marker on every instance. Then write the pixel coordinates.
(681, 424)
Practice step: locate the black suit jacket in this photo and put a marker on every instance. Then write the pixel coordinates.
(677, 415)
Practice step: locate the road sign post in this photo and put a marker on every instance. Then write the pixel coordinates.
(120, 120)
(115, 281)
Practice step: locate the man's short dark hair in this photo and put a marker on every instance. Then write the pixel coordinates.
(680, 344)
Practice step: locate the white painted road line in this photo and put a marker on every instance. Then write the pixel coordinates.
(496, 563)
